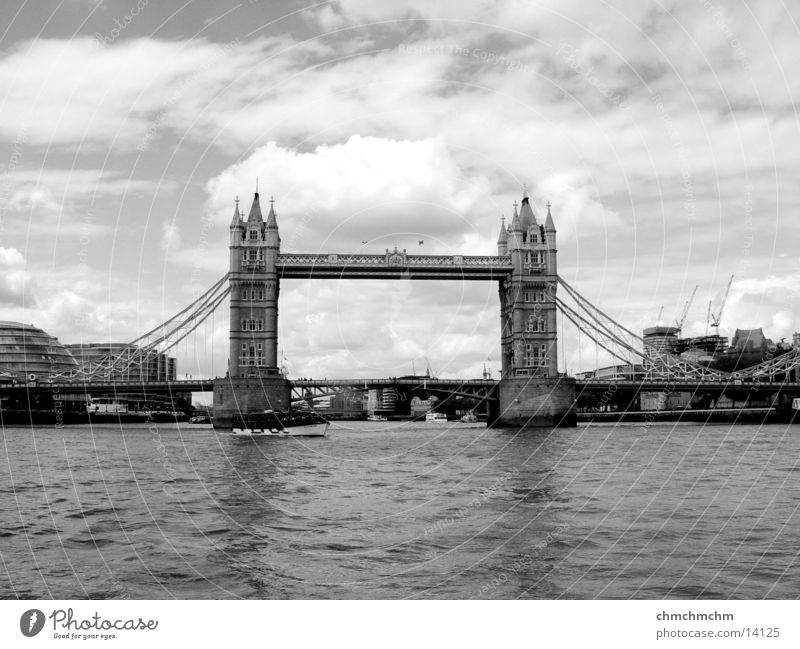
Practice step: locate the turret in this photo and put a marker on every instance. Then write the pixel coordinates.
(549, 226)
(515, 232)
(502, 238)
(272, 237)
(236, 223)
(550, 235)
(237, 234)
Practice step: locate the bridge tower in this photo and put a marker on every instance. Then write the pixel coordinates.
(527, 313)
(253, 383)
(531, 392)
(254, 249)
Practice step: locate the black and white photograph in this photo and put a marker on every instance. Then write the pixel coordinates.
(463, 302)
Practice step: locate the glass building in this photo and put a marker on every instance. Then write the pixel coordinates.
(26, 350)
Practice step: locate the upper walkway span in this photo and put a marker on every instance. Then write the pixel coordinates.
(393, 265)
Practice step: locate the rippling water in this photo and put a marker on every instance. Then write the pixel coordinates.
(401, 511)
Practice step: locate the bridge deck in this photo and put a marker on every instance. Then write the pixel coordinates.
(393, 265)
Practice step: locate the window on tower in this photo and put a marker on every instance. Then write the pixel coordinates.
(253, 235)
(535, 324)
(535, 355)
(251, 255)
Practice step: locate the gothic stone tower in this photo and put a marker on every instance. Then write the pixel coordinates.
(527, 313)
(254, 248)
(253, 383)
(531, 392)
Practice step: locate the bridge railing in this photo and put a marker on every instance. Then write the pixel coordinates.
(381, 260)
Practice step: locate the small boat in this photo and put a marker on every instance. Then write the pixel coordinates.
(289, 423)
(468, 418)
(436, 417)
(312, 430)
(376, 418)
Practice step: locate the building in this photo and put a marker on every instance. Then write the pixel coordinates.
(254, 248)
(749, 340)
(613, 373)
(123, 362)
(712, 345)
(527, 306)
(28, 352)
(660, 340)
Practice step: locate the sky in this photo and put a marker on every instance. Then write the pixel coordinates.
(664, 134)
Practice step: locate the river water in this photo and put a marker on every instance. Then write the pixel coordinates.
(388, 510)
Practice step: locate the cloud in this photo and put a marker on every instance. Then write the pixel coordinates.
(170, 236)
(421, 120)
(16, 284)
(370, 189)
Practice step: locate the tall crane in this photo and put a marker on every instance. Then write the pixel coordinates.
(716, 319)
(679, 323)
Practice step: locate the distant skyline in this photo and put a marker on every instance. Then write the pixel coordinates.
(665, 135)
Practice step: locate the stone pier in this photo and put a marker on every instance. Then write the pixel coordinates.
(247, 396)
(533, 402)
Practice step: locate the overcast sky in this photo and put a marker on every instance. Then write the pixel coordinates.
(665, 134)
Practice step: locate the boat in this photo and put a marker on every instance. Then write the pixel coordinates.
(314, 430)
(468, 418)
(376, 418)
(287, 423)
(436, 417)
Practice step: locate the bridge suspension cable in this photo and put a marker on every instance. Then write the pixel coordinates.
(625, 345)
(160, 339)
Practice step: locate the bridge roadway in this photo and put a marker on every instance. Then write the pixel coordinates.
(481, 388)
(110, 387)
(683, 385)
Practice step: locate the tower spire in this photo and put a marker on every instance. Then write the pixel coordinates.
(271, 220)
(503, 236)
(237, 217)
(527, 216)
(255, 210)
(549, 225)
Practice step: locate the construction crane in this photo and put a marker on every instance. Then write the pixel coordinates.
(679, 323)
(716, 319)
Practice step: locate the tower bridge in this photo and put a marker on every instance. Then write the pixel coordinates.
(530, 391)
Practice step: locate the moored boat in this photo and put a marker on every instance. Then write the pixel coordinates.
(290, 423)
(436, 417)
